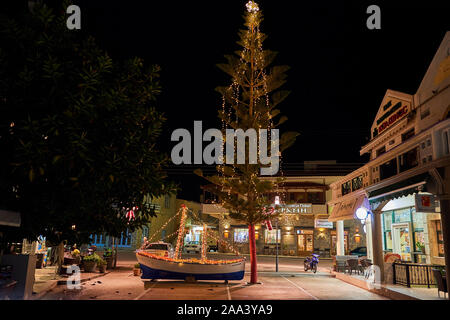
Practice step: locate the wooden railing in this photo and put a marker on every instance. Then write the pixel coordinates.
(408, 274)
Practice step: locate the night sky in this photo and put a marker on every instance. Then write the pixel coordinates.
(340, 70)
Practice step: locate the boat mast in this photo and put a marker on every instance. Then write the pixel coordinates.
(180, 232)
(204, 242)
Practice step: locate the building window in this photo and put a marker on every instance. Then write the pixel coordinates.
(439, 237)
(271, 236)
(409, 160)
(387, 222)
(357, 183)
(424, 114)
(167, 201)
(241, 235)
(381, 151)
(346, 188)
(298, 197)
(408, 134)
(316, 197)
(388, 169)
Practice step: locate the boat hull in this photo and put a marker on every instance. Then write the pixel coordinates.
(162, 269)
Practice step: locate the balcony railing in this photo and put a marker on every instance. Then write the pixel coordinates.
(408, 274)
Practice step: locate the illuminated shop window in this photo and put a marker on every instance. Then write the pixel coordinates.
(241, 235)
(387, 217)
(439, 238)
(271, 236)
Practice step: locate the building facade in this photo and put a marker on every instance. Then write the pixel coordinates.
(302, 227)
(405, 186)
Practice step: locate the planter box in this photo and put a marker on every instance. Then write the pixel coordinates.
(89, 266)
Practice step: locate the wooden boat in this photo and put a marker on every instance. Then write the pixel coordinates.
(155, 266)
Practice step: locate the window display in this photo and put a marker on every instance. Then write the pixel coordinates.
(271, 236)
(439, 237)
(241, 235)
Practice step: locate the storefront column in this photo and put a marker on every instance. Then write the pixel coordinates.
(340, 246)
(377, 244)
(445, 219)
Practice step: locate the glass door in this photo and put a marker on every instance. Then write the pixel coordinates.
(401, 240)
(305, 242)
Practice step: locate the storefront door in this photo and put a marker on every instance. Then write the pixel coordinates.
(401, 240)
(305, 242)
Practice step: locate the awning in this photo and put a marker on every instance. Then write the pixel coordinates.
(346, 209)
(400, 189)
(9, 218)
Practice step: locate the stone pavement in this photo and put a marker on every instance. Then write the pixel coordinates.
(46, 280)
(396, 292)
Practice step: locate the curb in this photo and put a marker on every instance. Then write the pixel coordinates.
(267, 255)
(383, 291)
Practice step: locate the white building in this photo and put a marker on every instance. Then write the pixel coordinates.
(409, 169)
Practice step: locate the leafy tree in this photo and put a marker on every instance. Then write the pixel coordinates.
(78, 132)
(251, 101)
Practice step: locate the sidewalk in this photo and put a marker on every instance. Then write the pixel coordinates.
(267, 255)
(46, 280)
(395, 292)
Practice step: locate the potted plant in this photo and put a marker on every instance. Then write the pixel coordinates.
(90, 262)
(101, 264)
(108, 256)
(76, 256)
(420, 246)
(137, 269)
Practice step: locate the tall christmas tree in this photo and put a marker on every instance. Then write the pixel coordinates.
(249, 103)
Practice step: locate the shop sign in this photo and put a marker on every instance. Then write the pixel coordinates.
(323, 223)
(299, 208)
(425, 202)
(393, 111)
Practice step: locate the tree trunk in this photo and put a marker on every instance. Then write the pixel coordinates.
(115, 253)
(59, 258)
(253, 263)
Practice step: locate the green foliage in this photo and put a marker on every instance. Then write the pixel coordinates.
(79, 131)
(253, 99)
(101, 262)
(137, 265)
(93, 258)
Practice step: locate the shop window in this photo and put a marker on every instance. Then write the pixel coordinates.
(408, 134)
(388, 169)
(271, 236)
(316, 197)
(402, 215)
(357, 183)
(387, 217)
(346, 188)
(409, 160)
(439, 237)
(241, 235)
(446, 141)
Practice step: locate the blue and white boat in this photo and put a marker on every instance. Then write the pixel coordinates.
(155, 267)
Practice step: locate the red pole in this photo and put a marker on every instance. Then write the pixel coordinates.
(253, 264)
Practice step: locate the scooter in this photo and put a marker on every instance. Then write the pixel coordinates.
(312, 262)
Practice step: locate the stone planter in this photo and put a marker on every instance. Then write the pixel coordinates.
(102, 268)
(89, 266)
(109, 262)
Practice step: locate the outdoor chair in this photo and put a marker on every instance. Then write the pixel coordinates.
(340, 266)
(366, 264)
(352, 264)
(441, 284)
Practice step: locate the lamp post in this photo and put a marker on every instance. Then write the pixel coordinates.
(277, 202)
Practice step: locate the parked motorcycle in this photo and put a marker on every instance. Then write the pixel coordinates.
(311, 263)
